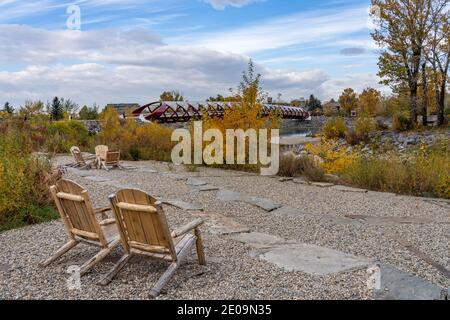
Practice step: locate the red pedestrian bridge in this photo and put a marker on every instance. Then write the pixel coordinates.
(171, 111)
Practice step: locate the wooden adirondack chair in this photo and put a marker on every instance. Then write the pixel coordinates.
(111, 160)
(144, 231)
(81, 224)
(101, 151)
(81, 161)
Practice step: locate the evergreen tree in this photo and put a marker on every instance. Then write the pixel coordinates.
(313, 104)
(8, 108)
(56, 109)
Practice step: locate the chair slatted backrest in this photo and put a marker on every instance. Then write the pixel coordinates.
(76, 210)
(112, 158)
(142, 223)
(76, 153)
(101, 151)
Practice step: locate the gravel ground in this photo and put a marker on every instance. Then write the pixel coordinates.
(231, 273)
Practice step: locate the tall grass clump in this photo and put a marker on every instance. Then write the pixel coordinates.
(24, 181)
(422, 173)
(292, 165)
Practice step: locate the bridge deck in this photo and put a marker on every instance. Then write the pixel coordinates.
(169, 111)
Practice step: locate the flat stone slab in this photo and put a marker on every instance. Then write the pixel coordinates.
(287, 211)
(118, 185)
(259, 240)
(313, 259)
(183, 205)
(349, 189)
(322, 184)
(400, 285)
(98, 179)
(207, 188)
(290, 212)
(147, 170)
(387, 221)
(195, 182)
(231, 196)
(176, 176)
(222, 225)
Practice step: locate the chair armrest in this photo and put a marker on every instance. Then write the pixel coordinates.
(187, 228)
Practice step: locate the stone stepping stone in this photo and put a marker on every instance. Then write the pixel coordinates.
(287, 211)
(231, 196)
(183, 205)
(177, 177)
(400, 285)
(322, 184)
(259, 240)
(389, 221)
(312, 259)
(207, 188)
(290, 212)
(147, 170)
(98, 179)
(349, 189)
(195, 182)
(285, 179)
(118, 185)
(222, 225)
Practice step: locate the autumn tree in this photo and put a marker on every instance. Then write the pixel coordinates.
(370, 101)
(402, 30)
(89, 113)
(171, 96)
(348, 100)
(438, 54)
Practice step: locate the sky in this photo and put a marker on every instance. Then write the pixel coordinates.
(129, 51)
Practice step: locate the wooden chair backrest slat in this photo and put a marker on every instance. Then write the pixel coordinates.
(101, 151)
(77, 208)
(142, 222)
(112, 157)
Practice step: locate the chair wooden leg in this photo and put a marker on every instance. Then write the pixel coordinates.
(199, 247)
(97, 258)
(61, 251)
(156, 290)
(116, 269)
(171, 270)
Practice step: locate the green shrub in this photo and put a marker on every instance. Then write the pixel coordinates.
(401, 122)
(24, 196)
(335, 128)
(62, 135)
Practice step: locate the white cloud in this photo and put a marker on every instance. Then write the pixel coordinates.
(116, 65)
(324, 26)
(222, 4)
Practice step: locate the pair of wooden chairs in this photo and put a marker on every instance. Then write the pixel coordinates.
(103, 158)
(139, 224)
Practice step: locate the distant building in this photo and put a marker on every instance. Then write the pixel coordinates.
(269, 100)
(299, 102)
(122, 108)
(332, 107)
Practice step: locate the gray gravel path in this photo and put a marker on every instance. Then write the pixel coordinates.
(231, 273)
